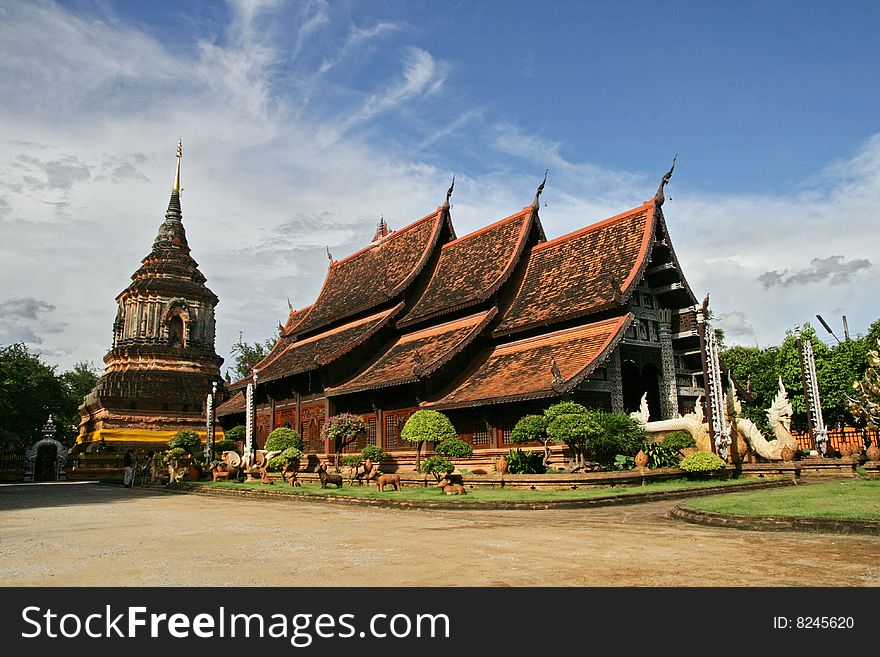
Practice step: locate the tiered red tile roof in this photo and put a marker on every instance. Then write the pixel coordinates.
(417, 354)
(473, 267)
(586, 271)
(524, 369)
(312, 352)
(374, 275)
(234, 404)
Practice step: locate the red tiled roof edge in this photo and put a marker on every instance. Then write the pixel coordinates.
(241, 383)
(533, 220)
(441, 216)
(607, 348)
(329, 358)
(626, 289)
(437, 364)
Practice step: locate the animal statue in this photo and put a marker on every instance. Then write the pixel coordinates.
(328, 477)
(220, 472)
(289, 473)
(450, 488)
(501, 465)
(359, 471)
(233, 463)
(387, 480)
(176, 472)
(264, 476)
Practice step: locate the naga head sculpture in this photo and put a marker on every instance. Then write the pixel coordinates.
(780, 410)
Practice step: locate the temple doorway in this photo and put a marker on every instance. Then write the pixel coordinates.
(46, 465)
(636, 382)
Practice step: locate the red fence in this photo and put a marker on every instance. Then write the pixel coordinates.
(849, 435)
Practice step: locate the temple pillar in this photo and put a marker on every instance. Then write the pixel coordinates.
(615, 381)
(668, 385)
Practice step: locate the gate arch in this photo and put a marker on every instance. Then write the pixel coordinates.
(31, 455)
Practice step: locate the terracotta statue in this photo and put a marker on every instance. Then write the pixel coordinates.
(289, 473)
(501, 465)
(264, 476)
(220, 472)
(388, 480)
(329, 477)
(449, 488)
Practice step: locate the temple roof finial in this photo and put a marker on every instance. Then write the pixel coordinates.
(176, 186)
(659, 197)
(381, 229)
(537, 202)
(449, 193)
(330, 256)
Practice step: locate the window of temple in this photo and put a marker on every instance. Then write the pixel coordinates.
(175, 332)
(647, 301)
(635, 298)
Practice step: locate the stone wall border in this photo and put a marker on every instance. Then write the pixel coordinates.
(775, 523)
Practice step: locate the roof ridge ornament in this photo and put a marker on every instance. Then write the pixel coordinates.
(558, 379)
(537, 202)
(446, 205)
(381, 229)
(176, 186)
(660, 197)
(330, 256)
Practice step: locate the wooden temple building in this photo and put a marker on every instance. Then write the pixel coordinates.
(486, 328)
(162, 363)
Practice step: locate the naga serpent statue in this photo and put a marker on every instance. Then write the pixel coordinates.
(779, 415)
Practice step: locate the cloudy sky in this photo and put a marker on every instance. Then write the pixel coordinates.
(303, 122)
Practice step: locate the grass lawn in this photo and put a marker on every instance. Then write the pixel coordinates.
(477, 495)
(854, 499)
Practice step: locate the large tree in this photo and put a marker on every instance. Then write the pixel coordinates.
(247, 354)
(30, 391)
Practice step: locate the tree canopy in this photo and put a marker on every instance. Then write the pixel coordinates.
(31, 390)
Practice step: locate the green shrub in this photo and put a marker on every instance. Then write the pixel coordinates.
(374, 453)
(437, 466)
(186, 440)
(624, 462)
(530, 428)
(344, 429)
(175, 453)
(351, 461)
(225, 445)
(679, 440)
(454, 448)
(564, 408)
(282, 438)
(426, 426)
(520, 462)
(702, 462)
(617, 433)
(275, 463)
(291, 454)
(238, 433)
(661, 455)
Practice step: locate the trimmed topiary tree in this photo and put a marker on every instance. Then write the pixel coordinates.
(564, 408)
(426, 426)
(533, 428)
(618, 434)
(343, 430)
(237, 433)
(281, 439)
(575, 430)
(439, 466)
(224, 445)
(288, 455)
(187, 440)
(454, 448)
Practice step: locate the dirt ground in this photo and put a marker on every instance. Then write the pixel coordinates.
(86, 534)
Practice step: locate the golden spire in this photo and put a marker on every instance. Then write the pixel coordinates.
(176, 186)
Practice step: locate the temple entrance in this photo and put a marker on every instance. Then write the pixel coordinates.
(636, 383)
(46, 465)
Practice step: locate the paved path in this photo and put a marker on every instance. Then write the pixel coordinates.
(86, 534)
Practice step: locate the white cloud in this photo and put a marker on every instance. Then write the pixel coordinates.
(89, 116)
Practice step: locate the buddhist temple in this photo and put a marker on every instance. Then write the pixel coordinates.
(486, 328)
(162, 363)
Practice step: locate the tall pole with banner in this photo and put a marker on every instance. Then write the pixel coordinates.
(250, 422)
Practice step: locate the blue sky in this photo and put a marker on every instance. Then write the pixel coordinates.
(302, 122)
